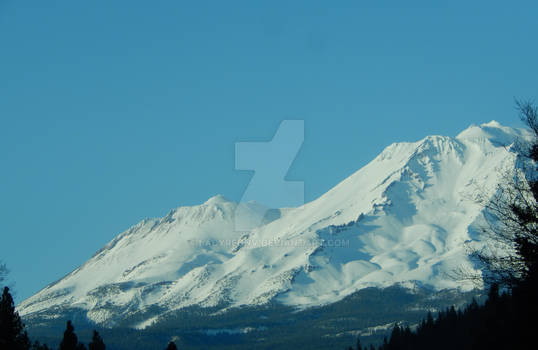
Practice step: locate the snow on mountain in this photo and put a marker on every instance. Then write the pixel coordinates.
(403, 218)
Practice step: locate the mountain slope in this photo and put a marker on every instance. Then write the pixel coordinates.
(403, 218)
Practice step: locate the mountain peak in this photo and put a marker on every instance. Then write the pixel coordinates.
(404, 217)
(217, 199)
(492, 124)
(494, 132)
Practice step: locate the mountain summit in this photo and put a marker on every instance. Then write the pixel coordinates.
(404, 218)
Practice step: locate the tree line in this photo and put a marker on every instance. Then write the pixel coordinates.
(13, 335)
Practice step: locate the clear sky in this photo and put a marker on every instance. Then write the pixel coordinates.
(113, 111)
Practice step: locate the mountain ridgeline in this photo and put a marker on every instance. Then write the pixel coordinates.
(405, 220)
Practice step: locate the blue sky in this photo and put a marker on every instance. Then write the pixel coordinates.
(113, 111)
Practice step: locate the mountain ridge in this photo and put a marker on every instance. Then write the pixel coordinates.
(401, 219)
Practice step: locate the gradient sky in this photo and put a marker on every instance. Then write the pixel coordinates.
(114, 111)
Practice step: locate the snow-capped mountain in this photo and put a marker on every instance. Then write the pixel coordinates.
(403, 218)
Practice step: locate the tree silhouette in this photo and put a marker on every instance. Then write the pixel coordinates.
(70, 340)
(12, 333)
(512, 214)
(359, 346)
(171, 346)
(97, 342)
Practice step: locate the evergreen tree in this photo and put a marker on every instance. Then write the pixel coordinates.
(429, 321)
(70, 340)
(171, 346)
(12, 333)
(359, 346)
(395, 338)
(97, 342)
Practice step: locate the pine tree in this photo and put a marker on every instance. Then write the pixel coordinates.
(395, 337)
(429, 321)
(385, 343)
(70, 340)
(97, 342)
(12, 333)
(171, 346)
